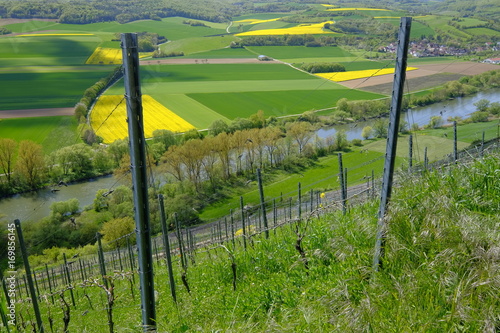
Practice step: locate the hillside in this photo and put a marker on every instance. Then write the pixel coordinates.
(440, 270)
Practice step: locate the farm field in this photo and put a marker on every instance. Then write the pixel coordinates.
(37, 90)
(51, 132)
(249, 86)
(109, 118)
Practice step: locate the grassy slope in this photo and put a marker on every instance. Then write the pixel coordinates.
(277, 103)
(45, 90)
(51, 132)
(440, 270)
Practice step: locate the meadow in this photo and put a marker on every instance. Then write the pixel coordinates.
(36, 90)
(50, 132)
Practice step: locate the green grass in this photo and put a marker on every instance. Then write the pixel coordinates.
(467, 133)
(172, 28)
(223, 53)
(44, 90)
(195, 45)
(439, 274)
(48, 51)
(220, 72)
(323, 175)
(299, 52)
(51, 132)
(417, 29)
(276, 103)
(482, 31)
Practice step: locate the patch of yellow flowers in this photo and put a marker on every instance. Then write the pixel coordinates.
(351, 75)
(301, 29)
(109, 115)
(109, 56)
(256, 21)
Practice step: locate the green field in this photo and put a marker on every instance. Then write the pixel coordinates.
(299, 52)
(482, 31)
(51, 132)
(196, 45)
(172, 28)
(417, 28)
(45, 90)
(277, 103)
(46, 51)
(220, 72)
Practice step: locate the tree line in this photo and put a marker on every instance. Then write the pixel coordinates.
(123, 11)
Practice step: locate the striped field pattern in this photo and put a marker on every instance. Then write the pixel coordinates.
(109, 118)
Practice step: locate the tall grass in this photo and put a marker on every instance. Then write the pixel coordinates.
(441, 270)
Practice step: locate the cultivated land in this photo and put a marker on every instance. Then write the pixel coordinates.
(43, 66)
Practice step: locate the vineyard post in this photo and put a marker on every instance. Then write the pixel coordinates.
(232, 226)
(36, 285)
(392, 137)
(342, 185)
(275, 211)
(100, 255)
(82, 269)
(455, 140)
(166, 247)
(410, 152)
(131, 258)
(180, 241)
(243, 223)
(482, 146)
(426, 159)
(138, 166)
(120, 259)
(4, 287)
(262, 202)
(50, 284)
(345, 185)
(300, 201)
(373, 183)
(66, 269)
(225, 228)
(312, 200)
(24, 253)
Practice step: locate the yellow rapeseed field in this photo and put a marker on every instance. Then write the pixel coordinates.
(351, 75)
(301, 29)
(112, 126)
(109, 56)
(255, 21)
(105, 56)
(36, 35)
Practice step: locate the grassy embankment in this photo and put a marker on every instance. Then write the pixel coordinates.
(440, 271)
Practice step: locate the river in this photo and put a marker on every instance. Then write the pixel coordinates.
(36, 205)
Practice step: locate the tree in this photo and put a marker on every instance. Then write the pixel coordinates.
(301, 132)
(380, 128)
(367, 132)
(7, 151)
(217, 127)
(482, 105)
(343, 105)
(114, 231)
(30, 163)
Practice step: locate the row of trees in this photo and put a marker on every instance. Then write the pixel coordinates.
(78, 12)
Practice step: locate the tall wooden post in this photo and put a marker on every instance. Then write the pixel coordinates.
(32, 293)
(392, 137)
(166, 247)
(342, 185)
(139, 178)
(262, 203)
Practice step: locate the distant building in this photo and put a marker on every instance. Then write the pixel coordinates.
(264, 58)
(495, 61)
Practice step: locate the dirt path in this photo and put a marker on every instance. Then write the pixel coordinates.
(5, 114)
(464, 68)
